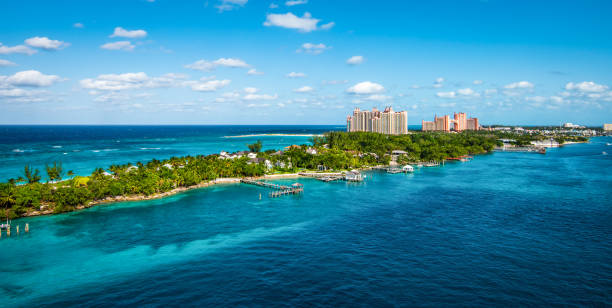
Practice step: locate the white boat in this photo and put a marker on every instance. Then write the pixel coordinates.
(608, 143)
(408, 168)
(604, 153)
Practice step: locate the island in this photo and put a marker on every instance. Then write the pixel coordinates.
(333, 151)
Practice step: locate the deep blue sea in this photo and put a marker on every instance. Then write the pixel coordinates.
(506, 229)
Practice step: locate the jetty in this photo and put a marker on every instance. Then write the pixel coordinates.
(539, 150)
(279, 190)
(349, 176)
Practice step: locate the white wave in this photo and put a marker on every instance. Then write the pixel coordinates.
(57, 146)
(150, 148)
(18, 151)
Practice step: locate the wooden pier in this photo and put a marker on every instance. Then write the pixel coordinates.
(279, 190)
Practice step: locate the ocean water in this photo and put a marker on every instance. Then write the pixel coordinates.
(84, 148)
(505, 229)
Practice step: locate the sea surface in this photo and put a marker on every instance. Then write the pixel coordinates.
(82, 148)
(506, 229)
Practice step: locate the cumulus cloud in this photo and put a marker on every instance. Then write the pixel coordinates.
(355, 60)
(228, 5)
(24, 95)
(209, 85)
(78, 25)
(273, 5)
(313, 48)
(451, 94)
(254, 72)
(22, 49)
(477, 82)
(30, 78)
(120, 32)
(6, 63)
(304, 89)
(366, 87)
(306, 23)
(468, 92)
(296, 75)
(586, 86)
(251, 90)
(120, 45)
(519, 85)
(327, 26)
(130, 81)
(259, 97)
(46, 43)
(203, 65)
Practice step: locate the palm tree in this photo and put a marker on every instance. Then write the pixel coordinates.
(31, 174)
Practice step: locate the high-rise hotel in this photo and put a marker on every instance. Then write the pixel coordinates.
(460, 123)
(385, 122)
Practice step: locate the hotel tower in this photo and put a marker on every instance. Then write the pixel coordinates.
(385, 122)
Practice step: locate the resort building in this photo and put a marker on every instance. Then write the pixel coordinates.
(459, 123)
(607, 127)
(386, 122)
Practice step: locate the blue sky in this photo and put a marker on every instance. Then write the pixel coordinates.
(303, 62)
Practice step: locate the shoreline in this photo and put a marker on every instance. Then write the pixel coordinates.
(175, 191)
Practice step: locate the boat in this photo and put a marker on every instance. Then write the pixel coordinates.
(608, 143)
(408, 168)
(542, 151)
(604, 153)
(4, 226)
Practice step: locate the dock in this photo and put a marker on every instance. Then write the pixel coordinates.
(539, 150)
(279, 190)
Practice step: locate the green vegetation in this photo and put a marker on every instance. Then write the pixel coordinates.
(255, 147)
(334, 151)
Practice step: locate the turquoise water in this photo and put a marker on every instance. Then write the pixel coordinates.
(505, 229)
(84, 148)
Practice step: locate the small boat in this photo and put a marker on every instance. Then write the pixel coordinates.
(604, 153)
(608, 143)
(408, 168)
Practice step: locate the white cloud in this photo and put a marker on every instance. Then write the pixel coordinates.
(354, 60)
(303, 24)
(210, 85)
(450, 94)
(30, 78)
(22, 49)
(259, 97)
(313, 48)
(304, 89)
(258, 105)
(556, 99)
(439, 82)
(586, 86)
(251, 90)
(120, 32)
(203, 65)
(46, 43)
(519, 85)
(6, 63)
(477, 82)
(295, 2)
(120, 45)
(366, 87)
(468, 92)
(327, 26)
(78, 25)
(254, 72)
(296, 75)
(130, 81)
(24, 96)
(228, 5)
(490, 91)
(273, 5)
